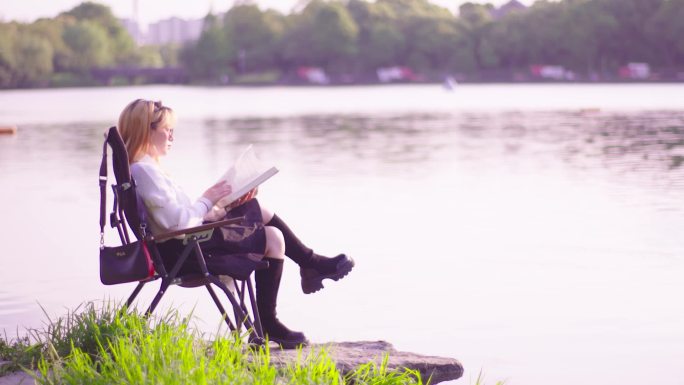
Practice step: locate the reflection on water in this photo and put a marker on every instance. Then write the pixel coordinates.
(642, 146)
(529, 244)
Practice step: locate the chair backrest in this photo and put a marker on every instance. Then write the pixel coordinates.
(127, 204)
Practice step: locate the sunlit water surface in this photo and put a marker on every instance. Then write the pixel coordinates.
(532, 232)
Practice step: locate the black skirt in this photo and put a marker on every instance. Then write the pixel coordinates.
(246, 238)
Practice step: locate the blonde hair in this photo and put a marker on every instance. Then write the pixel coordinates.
(135, 122)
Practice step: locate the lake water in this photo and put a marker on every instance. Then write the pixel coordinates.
(531, 231)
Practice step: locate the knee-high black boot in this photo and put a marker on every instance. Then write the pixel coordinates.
(267, 286)
(313, 268)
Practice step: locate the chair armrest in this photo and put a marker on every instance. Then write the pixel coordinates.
(196, 229)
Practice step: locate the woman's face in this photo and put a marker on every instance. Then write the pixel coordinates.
(160, 140)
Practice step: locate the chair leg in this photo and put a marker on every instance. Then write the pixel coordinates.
(241, 296)
(256, 333)
(241, 316)
(220, 307)
(241, 302)
(162, 289)
(134, 294)
(255, 311)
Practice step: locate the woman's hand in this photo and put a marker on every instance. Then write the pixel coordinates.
(217, 191)
(245, 198)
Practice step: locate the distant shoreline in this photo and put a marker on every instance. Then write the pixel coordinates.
(352, 84)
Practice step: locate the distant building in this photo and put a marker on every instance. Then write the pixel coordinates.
(168, 31)
(134, 30)
(511, 6)
(174, 30)
(551, 72)
(396, 73)
(639, 71)
(314, 75)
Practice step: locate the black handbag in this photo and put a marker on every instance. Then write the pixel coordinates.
(126, 263)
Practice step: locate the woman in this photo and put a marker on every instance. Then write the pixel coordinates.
(147, 129)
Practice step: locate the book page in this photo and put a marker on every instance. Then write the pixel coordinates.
(246, 173)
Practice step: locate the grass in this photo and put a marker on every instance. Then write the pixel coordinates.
(107, 346)
(80, 328)
(19, 352)
(481, 381)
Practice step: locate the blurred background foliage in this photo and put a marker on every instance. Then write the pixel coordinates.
(351, 39)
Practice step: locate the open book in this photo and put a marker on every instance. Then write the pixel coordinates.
(245, 174)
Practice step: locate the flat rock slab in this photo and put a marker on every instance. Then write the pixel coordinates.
(350, 355)
(17, 378)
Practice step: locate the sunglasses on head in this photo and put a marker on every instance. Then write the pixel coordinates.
(158, 107)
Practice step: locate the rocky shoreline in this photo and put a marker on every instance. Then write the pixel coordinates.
(346, 355)
(349, 355)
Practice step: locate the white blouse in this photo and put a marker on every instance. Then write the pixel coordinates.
(168, 207)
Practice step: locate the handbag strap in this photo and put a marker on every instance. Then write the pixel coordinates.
(142, 212)
(103, 191)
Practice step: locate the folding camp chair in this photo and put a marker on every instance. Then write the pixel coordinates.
(128, 214)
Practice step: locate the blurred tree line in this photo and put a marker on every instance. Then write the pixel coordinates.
(64, 49)
(353, 38)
